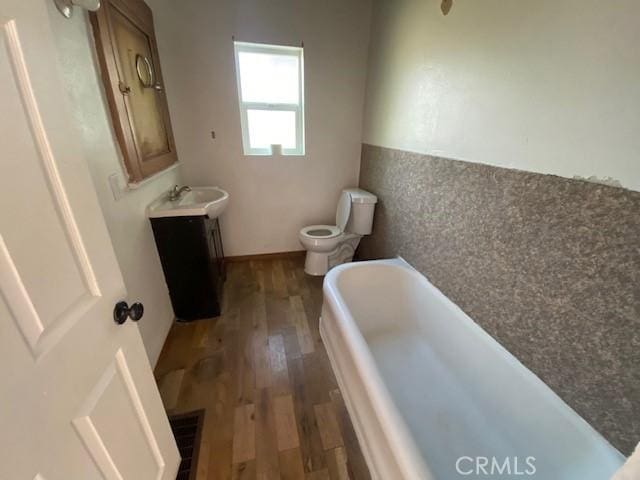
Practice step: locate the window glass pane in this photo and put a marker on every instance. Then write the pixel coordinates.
(267, 127)
(269, 78)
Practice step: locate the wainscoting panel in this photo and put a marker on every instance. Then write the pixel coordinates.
(547, 265)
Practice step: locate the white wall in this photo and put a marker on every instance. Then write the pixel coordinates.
(270, 198)
(546, 86)
(130, 230)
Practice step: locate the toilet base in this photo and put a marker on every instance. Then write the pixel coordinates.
(316, 263)
(319, 263)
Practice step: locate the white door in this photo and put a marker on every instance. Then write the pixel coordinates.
(77, 396)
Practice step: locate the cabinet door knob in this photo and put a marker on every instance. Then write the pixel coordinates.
(122, 311)
(124, 88)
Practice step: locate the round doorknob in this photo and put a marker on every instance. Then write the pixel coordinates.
(122, 311)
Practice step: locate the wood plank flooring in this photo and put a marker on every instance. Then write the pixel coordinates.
(273, 407)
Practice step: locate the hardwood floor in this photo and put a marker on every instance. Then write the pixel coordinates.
(273, 407)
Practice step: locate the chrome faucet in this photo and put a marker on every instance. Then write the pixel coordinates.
(176, 192)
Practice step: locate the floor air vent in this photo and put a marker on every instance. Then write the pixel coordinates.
(187, 429)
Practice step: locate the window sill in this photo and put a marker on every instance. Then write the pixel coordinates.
(252, 155)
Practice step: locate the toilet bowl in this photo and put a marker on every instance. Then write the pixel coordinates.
(331, 245)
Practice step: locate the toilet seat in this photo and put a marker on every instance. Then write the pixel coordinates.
(321, 231)
(320, 238)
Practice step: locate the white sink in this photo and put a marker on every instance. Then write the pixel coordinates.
(209, 201)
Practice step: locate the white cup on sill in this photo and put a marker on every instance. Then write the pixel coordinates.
(276, 149)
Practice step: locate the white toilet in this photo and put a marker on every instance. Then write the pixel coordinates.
(331, 245)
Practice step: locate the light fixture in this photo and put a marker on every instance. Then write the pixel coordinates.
(66, 6)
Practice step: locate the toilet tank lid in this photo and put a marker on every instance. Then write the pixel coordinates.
(361, 196)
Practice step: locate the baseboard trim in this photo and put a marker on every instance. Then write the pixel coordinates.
(266, 256)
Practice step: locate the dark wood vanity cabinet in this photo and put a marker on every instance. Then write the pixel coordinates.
(192, 258)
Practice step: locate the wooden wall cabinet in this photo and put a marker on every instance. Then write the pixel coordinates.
(132, 76)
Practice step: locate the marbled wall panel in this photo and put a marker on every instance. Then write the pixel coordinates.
(547, 265)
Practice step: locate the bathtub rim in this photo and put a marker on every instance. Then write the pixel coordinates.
(407, 455)
(392, 421)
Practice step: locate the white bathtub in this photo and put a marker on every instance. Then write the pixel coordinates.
(433, 396)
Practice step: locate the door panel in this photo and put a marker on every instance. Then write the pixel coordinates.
(128, 447)
(38, 205)
(78, 396)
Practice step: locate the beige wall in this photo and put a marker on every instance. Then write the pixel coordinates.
(129, 228)
(545, 86)
(271, 198)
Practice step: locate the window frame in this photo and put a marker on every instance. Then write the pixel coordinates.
(298, 52)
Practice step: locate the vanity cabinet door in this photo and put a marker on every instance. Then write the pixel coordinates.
(216, 255)
(219, 251)
(132, 76)
(192, 265)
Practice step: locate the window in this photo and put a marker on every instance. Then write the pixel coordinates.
(271, 93)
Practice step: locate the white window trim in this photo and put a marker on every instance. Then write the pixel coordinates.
(289, 107)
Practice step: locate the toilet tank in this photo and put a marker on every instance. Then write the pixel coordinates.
(363, 205)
